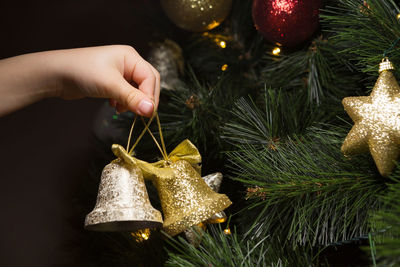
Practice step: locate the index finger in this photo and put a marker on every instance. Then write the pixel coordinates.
(138, 70)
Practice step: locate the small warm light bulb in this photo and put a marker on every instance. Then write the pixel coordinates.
(398, 16)
(145, 236)
(276, 51)
(224, 67)
(227, 231)
(222, 44)
(219, 220)
(141, 235)
(212, 25)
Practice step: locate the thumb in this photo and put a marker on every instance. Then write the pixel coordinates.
(131, 98)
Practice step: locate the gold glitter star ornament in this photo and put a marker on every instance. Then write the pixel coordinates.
(376, 121)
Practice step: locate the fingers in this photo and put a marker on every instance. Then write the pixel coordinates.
(156, 96)
(130, 98)
(142, 100)
(157, 87)
(143, 74)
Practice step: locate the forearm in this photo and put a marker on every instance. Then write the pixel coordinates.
(103, 71)
(26, 79)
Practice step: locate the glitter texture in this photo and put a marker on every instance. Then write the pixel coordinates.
(197, 15)
(193, 235)
(185, 197)
(122, 201)
(286, 22)
(376, 123)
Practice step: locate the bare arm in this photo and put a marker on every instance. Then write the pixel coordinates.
(116, 72)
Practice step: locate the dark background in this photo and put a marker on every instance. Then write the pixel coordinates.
(46, 148)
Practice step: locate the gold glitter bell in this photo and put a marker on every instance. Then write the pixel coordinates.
(122, 201)
(195, 234)
(185, 197)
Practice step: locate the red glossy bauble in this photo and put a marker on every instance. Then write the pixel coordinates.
(286, 22)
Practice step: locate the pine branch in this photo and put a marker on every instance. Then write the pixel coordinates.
(363, 32)
(276, 114)
(303, 190)
(220, 250)
(197, 112)
(387, 225)
(318, 73)
(240, 53)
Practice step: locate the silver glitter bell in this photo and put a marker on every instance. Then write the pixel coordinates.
(214, 181)
(122, 201)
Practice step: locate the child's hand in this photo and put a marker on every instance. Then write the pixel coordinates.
(116, 72)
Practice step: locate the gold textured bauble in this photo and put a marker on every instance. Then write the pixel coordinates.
(197, 15)
(376, 122)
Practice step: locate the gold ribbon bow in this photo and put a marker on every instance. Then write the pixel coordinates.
(185, 197)
(186, 150)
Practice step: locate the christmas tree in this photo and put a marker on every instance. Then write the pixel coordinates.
(264, 107)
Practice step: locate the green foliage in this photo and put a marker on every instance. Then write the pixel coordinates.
(304, 190)
(317, 72)
(363, 33)
(275, 118)
(284, 143)
(197, 112)
(220, 250)
(387, 225)
(244, 47)
(302, 179)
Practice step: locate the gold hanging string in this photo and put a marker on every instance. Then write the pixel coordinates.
(163, 150)
(141, 134)
(130, 132)
(161, 136)
(163, 153)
